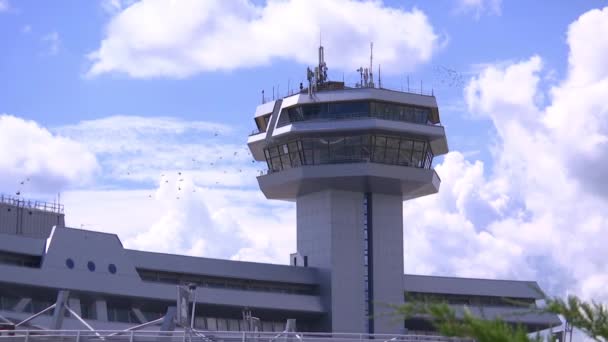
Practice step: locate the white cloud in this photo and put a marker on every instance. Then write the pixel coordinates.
(4, 5)
(26, 29)
(138, 149)
(181, 38)
(479, 7)
(211, 222)
(537, 214)
(113, 7)
(52, 42)
(50, 162)
(205, 210)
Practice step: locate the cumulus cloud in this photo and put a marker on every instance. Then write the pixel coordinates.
(480, 7)
(211, 222)
(113, 7)
(4, 6)
(52, 42)
(140, 149)
(181, 38)
(538, 213)
(50, 162)
(193, 189)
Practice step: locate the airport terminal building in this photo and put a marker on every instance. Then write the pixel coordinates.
(348, 157)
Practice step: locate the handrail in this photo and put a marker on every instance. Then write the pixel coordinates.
(38, 205)
(201, 335)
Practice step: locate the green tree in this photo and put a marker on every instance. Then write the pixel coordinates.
(591, 318)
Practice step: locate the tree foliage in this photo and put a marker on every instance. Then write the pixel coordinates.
(447, 323)
(590, 318)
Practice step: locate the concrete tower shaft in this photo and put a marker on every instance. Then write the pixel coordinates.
(349, 157)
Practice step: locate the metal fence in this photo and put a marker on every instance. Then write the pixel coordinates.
(39, 205)
(208, 336)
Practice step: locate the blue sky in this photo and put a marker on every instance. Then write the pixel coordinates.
(105, 101)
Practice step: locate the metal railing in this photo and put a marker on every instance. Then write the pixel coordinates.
(39, 205)
(210, 336)
(256, 132)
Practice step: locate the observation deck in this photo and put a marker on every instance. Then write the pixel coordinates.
(356, 139)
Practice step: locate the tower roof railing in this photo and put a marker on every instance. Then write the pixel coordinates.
(408, 90)
(31, 204)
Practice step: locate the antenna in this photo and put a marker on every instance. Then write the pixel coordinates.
(263, 98)
(371, 60)
(379, 77)
(322, 73)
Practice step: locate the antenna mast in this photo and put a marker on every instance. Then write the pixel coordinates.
(322, 67)
(371, 60)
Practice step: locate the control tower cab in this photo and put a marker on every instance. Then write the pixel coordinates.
(349, 157)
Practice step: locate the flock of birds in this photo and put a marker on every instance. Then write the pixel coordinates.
(449, 77)
(182, 186)
(22, 185)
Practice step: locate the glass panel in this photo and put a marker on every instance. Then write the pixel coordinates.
(295, 158)
(392, 156)
(267, 326)
(276, 164)
(392, 142)
(211, 323)
(233, 325)
(285, 162)
(308, 157)
(417, 155)
(222, 324)
(273, 151)
(405, 152)
(279, 326)
(199, 322)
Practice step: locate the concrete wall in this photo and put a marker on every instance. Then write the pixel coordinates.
(103, 249)
(387, 260)
(28, 221)
(330, 235)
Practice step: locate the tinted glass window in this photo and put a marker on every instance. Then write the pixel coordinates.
(353, 109)
(347, 149)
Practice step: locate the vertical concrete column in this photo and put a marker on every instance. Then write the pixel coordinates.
(387, 260)
(101, 310)
(330, 235)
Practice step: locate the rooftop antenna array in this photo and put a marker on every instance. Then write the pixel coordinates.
(366, 74)
(318, 77)
(371, 62)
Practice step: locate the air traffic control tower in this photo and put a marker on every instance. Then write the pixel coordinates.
(349, 157)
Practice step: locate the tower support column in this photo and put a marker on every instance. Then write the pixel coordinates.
(330, 235)
(386, 228)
